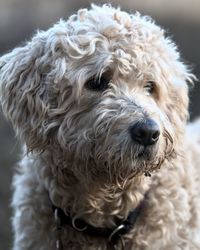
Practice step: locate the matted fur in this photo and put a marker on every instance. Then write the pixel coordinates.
(78, 151)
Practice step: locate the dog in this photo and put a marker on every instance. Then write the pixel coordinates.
(100, 103)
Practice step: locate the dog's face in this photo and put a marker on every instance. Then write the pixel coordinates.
(106, 90)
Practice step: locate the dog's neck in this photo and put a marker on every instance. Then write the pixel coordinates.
(101, 205)
(98, 203)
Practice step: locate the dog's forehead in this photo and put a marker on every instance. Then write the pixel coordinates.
(105, 37)
(115, 25)
(131, 41)
(113, 22)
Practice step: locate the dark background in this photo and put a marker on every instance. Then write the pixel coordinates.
(20, 18)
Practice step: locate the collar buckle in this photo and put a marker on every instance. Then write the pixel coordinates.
(78, 225)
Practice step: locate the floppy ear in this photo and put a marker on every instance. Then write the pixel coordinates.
(176, 78)
(179, 101)
(176, 100)
(26, 74)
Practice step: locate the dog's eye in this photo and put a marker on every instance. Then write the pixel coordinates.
(98, 83)
(149, 87)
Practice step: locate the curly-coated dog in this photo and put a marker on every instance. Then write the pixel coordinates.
(100, 102)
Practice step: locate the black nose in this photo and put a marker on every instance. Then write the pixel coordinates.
(145, 133)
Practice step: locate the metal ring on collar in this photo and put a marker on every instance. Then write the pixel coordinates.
(115, 231)
(76, 227)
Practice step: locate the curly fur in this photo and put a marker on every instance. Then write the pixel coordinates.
(78, 153)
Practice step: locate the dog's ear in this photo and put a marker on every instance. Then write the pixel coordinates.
(26, 74)
(178, 83)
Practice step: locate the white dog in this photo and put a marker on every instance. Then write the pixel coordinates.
(100, 102)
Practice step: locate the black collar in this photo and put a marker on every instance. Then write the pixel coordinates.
(111, 234)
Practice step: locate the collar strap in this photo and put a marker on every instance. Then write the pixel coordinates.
(112, 234)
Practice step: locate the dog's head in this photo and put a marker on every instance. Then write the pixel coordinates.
(105, 89)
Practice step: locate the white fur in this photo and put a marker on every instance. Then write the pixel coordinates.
(78, 152)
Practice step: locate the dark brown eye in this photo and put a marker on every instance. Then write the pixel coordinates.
(149, 87)
(99, 83)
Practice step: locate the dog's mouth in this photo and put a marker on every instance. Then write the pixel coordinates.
(137, 161)
(146, 153)
(120, 161)
(123, 167)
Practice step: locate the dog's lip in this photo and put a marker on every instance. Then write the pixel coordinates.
(145, 152)
(141, 154)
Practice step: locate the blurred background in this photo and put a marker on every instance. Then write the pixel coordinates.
(20, 18)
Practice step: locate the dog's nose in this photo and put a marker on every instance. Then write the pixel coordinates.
(145, 133)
